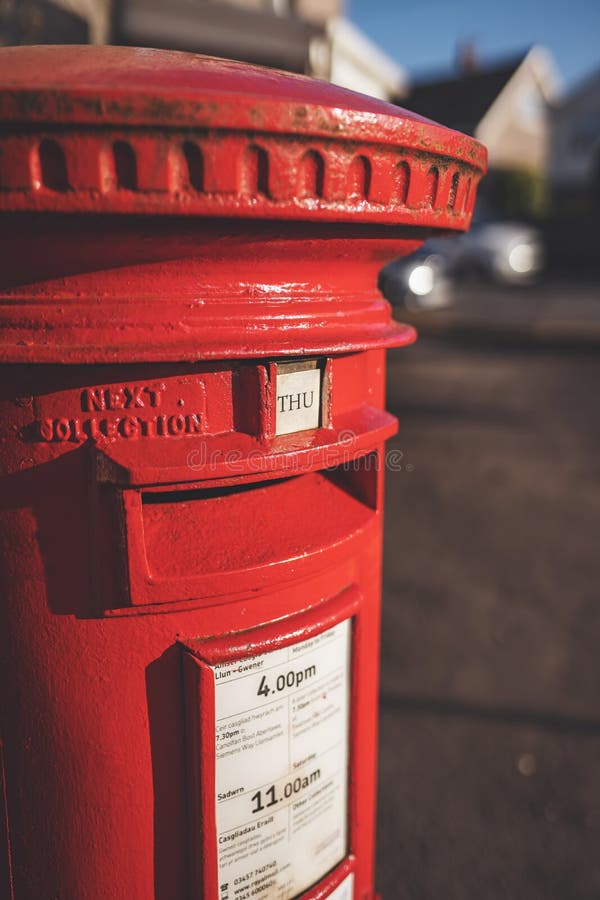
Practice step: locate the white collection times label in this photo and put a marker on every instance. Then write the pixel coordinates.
(282, 721)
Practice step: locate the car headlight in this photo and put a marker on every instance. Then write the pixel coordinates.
(421, 280)
(523, 258)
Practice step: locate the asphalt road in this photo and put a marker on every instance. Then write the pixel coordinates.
(490, 687)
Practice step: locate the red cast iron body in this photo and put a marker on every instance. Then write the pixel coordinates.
(174, 229)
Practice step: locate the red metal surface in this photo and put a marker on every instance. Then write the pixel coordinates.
(218, 137)
(242, 290)
(173, 227)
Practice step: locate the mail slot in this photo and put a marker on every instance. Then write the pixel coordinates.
(192, 456)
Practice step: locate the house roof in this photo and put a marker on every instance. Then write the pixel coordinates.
(462, 100)
(585, 90)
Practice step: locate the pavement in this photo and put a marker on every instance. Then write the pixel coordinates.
(490, 684)
(559, 309)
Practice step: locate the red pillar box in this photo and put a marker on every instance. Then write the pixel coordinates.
(191, 440)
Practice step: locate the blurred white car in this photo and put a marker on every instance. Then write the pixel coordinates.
(509, 253)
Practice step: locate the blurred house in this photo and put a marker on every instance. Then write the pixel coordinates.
(305, 36)
(55, 21)
(575, 148)
(357, 63)
(256, 31)
(505, 105)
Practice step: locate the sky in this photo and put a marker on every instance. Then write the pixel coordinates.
(422, 35)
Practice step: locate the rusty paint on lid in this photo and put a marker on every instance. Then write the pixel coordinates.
(128, 130)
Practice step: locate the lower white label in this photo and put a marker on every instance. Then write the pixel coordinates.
(282, 721)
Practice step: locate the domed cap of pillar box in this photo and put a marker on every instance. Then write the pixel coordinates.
(164, 206)
(126, 130)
